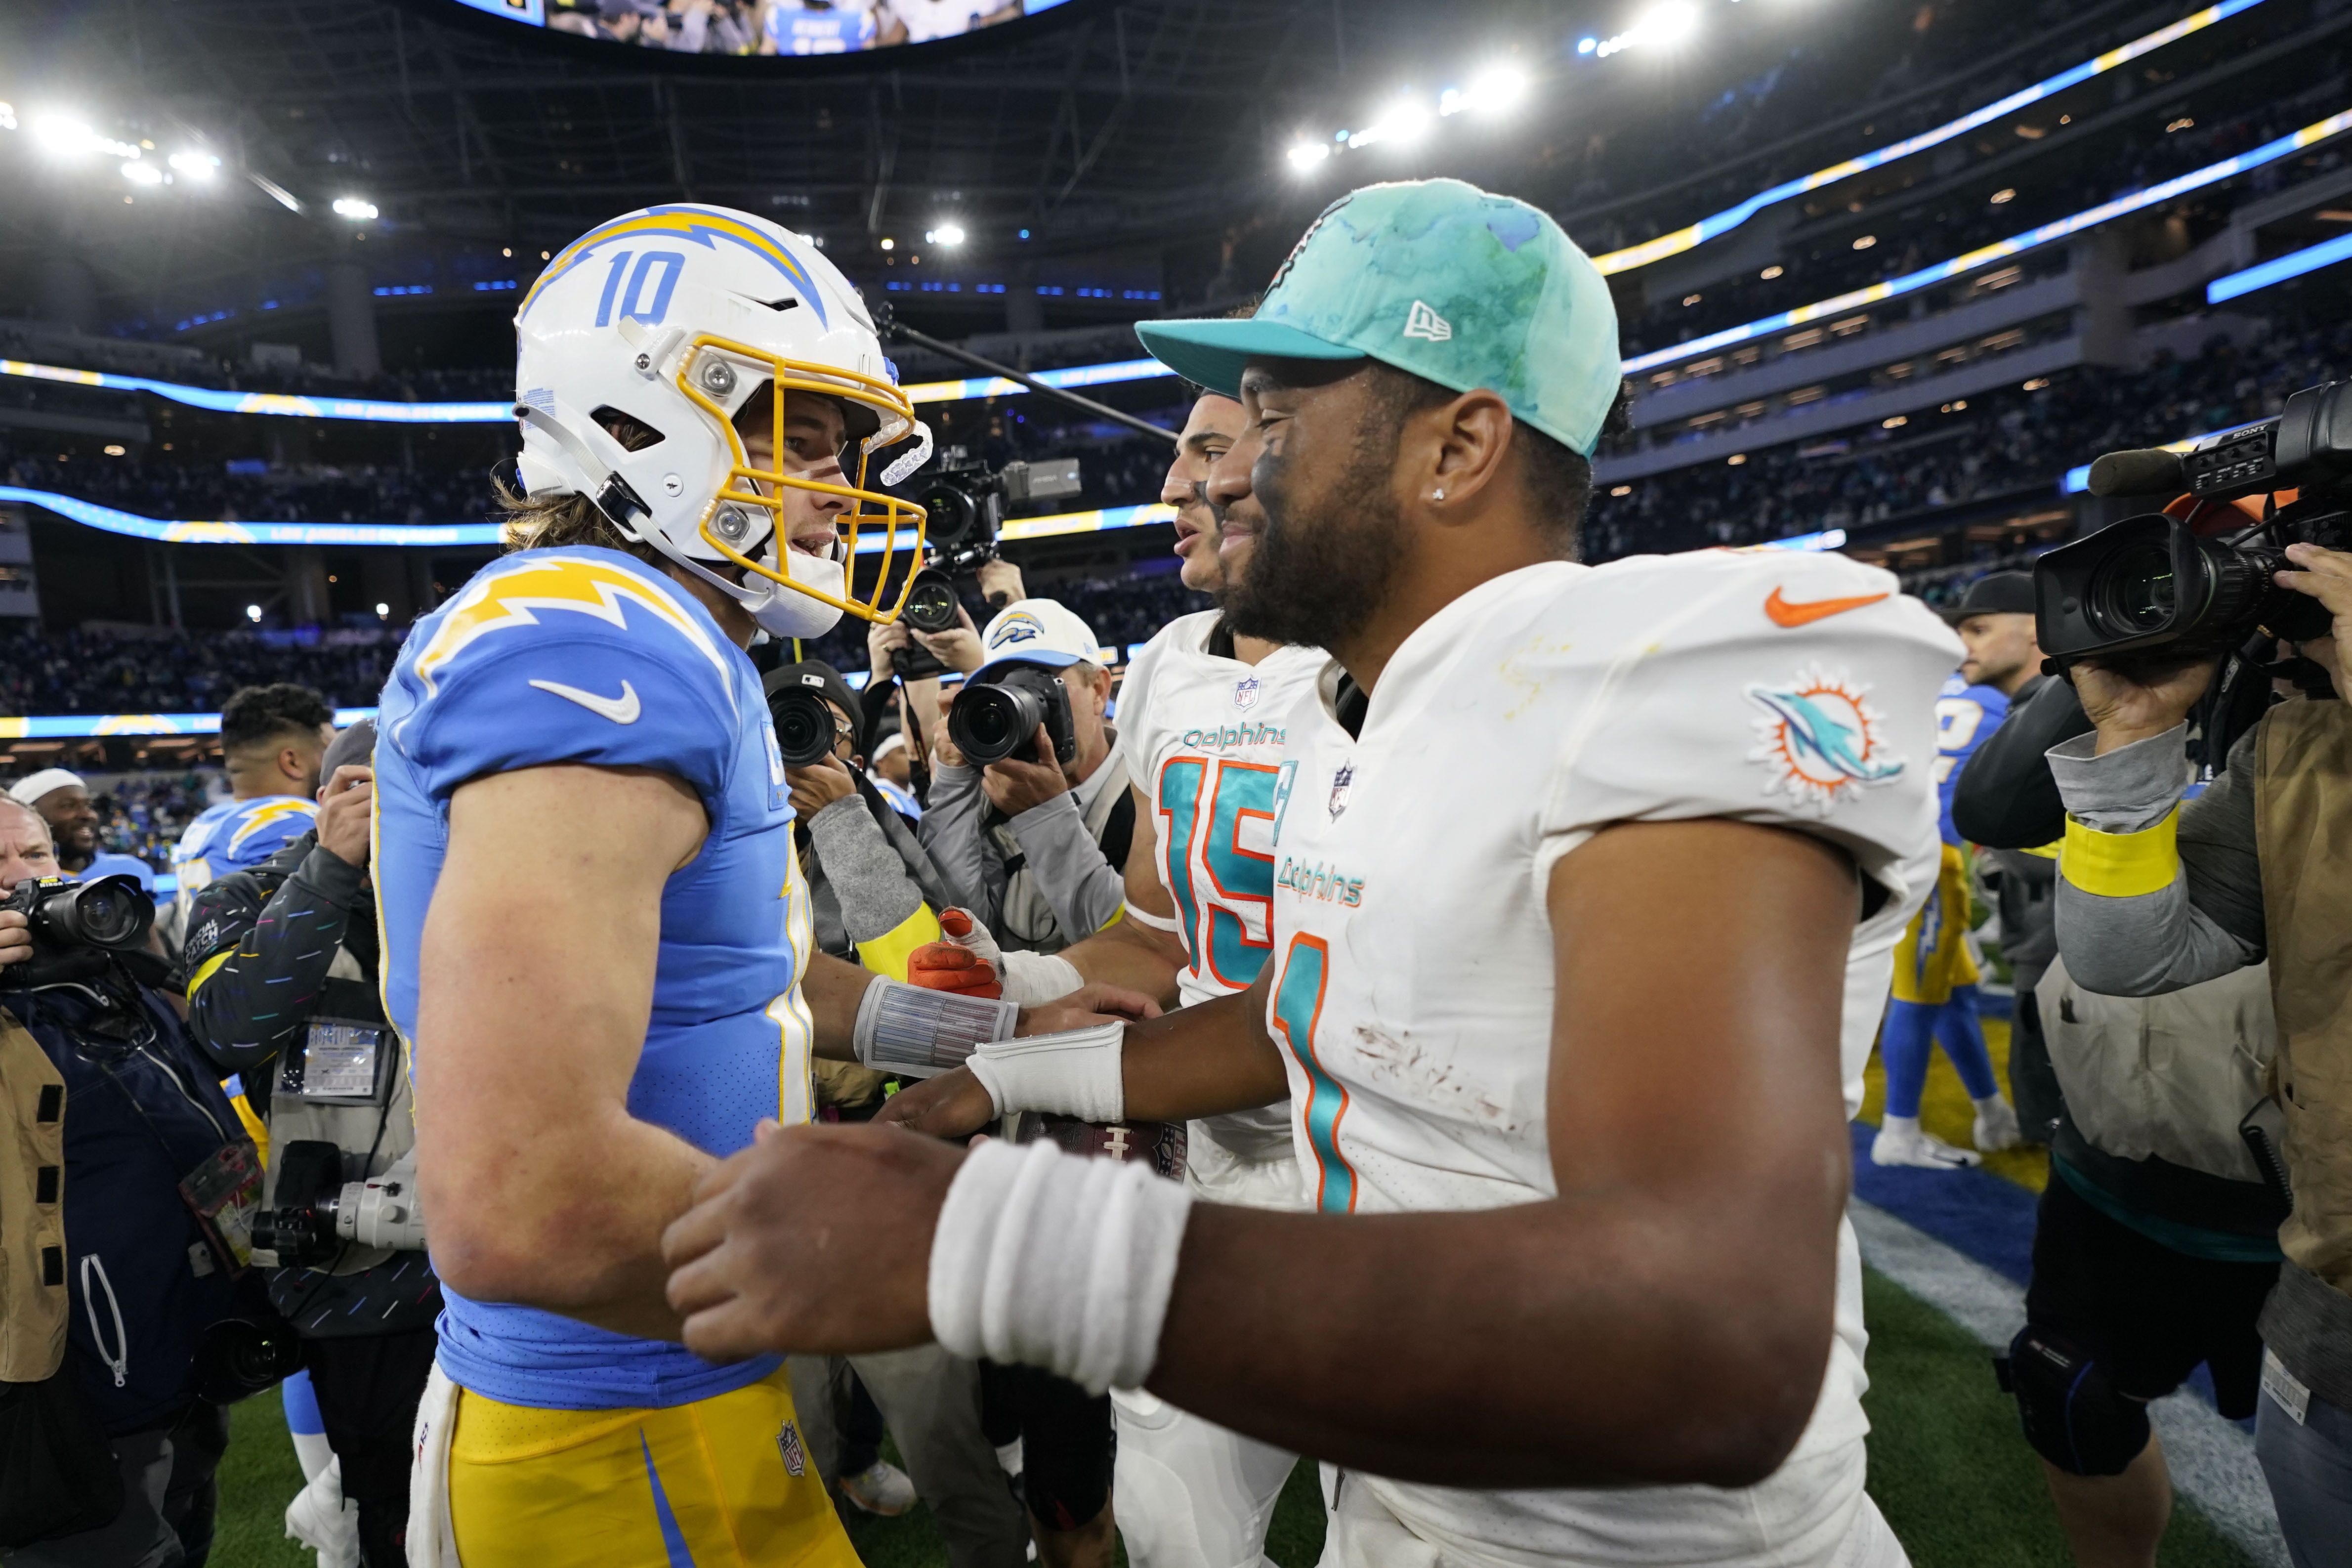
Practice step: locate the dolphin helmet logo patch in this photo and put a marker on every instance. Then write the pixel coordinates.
(1820, 740)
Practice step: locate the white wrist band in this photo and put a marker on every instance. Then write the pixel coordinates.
(1167, 923)
(916, 1031)
(1034, 977)
(1077, 1072)
(1042, 1259)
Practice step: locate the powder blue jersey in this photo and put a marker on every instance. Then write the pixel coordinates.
(585, 656)
(1966, 717)
(233, 835)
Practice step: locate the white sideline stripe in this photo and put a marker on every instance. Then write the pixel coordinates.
(2211, 1459)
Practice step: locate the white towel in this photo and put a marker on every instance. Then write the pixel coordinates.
(432, 1540)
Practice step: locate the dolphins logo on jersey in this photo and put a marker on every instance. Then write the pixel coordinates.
(1245, 691)
(1821, 739)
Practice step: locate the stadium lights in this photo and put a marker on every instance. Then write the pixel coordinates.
(1672, 22)
(253, 612)
(948, 234)
(140, 173)
(1495, 88)
(66, 136)
(889, 244)
(8, 117)
(354, 208)
(275, 193)
(195, 165)
(1305, 155)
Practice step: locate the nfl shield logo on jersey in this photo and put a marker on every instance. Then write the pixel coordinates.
(788, 1444)
(1245, 691)
(1340, 783)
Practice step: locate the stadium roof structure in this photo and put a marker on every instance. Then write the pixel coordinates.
(1103, 127)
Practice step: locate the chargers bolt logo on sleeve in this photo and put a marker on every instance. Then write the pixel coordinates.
(1821, 739)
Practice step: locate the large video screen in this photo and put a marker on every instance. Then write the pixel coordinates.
(763, 26)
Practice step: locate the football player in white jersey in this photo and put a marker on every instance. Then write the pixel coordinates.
(1200, 724)
(1571, 863)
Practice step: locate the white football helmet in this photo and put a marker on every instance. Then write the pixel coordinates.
(677, 317)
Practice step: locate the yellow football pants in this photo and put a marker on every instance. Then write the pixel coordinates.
(723, 1482)
(1933, 958)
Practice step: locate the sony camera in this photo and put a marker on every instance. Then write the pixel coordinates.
(2155, 589)
(994, 720)
(318, 1213)
(963, 504)
(75, 925)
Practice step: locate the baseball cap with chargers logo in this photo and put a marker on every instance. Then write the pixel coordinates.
(1037, 631)
(1439, 278)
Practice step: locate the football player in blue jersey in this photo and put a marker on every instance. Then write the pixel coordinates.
(596, 937)
(272, 738)
(1935, 996)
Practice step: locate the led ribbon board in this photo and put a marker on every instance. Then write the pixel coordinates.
(2270, 152)
(87, 726)
(1732, 218)
(382, 413)
(452, 535)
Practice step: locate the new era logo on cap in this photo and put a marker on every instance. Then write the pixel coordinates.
(1423, 322)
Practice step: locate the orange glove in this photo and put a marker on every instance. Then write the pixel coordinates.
(961, 964)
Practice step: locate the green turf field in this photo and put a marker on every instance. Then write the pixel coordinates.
(1946, 1466)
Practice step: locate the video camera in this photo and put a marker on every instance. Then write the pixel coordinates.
(77, 925)
(963, 504)
(2153, 586)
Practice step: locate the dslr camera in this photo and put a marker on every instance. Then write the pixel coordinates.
(2154, 590)
(77, 926)
(963, 504)
(994, 720)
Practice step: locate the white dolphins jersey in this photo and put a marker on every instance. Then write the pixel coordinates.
(1414, 996)
(1202, 735)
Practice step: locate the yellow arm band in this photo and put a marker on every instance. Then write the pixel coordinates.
(206, 971)
(2122, 864)
(887, 954)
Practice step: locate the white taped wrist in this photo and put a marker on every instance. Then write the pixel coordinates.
(1034, 977)
(916, 1031)
(1167, 923)
(1075, 1072)
(1043, 1259)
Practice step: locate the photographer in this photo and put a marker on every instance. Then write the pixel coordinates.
(280, 976)
(875, 897)
(1035, 841)
(110, 1452)
(2155, 895)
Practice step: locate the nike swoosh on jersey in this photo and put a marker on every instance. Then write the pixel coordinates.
(1786, 613)
(621, 709)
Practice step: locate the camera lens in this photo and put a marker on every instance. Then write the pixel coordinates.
(2136, 592)
(931, 603)
(804, 731)
(113, 911)
(989, 724)
(949, 514)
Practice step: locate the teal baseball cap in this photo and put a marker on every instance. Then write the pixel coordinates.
(1439, 278)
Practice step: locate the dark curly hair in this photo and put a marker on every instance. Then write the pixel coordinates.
(260, 714)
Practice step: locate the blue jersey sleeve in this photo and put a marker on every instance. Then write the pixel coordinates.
(552, 660)
(1965, 716)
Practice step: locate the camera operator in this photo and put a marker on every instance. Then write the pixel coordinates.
(111, 1452)
(281, 975)
(2155, 895)
(1035, 841)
